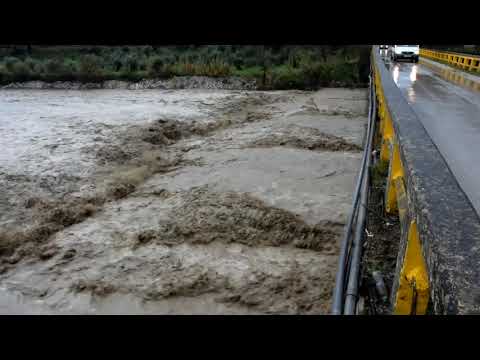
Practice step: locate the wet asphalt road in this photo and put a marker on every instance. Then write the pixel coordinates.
(450, 112)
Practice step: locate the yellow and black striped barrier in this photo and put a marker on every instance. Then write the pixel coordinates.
(462, 61)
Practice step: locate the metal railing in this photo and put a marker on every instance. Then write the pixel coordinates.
(345, 296)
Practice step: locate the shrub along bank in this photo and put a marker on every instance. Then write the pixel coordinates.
(273, 67)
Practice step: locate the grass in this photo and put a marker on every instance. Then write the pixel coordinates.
(273, 67)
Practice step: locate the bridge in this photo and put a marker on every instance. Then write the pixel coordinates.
(425, 120)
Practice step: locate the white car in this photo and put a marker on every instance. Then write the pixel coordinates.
(383, 47)
(410, 52)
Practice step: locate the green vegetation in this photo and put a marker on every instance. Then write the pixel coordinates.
(273, 67)
(379, 173)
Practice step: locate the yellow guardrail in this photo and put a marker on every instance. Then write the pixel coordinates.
(437, 261)
(465, 62)
(413, 289)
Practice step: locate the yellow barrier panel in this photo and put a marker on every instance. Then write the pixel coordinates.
(465, 62)
(413, 290)
(395, 173)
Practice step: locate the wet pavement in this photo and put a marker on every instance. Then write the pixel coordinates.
(448, 105)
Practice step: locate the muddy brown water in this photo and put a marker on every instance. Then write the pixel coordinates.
(174, 201)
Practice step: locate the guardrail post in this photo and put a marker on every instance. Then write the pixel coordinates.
(395, 173)
(413, 289)
(387, 135)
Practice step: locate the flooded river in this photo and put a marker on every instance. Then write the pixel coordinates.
(174, 201)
